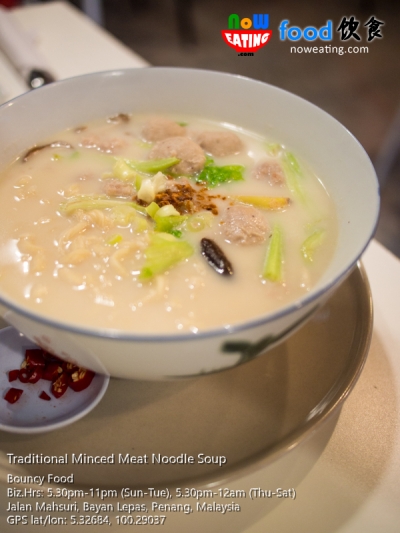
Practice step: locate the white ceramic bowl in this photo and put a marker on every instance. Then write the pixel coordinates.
(328, 147)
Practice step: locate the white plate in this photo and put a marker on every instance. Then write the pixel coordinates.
(31, 414)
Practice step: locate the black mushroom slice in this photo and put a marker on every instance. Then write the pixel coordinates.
(215, 257)
(35, 149)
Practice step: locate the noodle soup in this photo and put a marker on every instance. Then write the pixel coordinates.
(161, 224)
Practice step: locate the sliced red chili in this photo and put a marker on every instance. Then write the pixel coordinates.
(44, 396)
(30, 374)
(70, 368)
(60, 385)
(81, 379)
(51, 371)
(34, 357)
(13, 375)
(24, 374)
(35, 375)
(13, 395)
(39, 364)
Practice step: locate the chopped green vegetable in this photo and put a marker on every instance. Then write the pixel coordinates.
(200, 221)
(152, 166)
(138, 181)
(88, 203)
(273, 264)
(168, 224)
(273, 149)
(294, 175)
(212, 175)
(115, 239)
(152, 209)
(312, 242)
(124, 172)
(163, 252)
(167, 210)
(146, 192)
(149, 187)
(167, 218)
(124, 215)
(293, 171)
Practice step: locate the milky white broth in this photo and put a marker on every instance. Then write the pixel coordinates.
(38, 271)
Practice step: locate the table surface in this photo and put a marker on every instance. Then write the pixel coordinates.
(350, 468)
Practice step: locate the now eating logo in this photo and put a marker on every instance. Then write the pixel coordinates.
(247, 39)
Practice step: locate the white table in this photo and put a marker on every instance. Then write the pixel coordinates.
(71, 43)
(350, 468)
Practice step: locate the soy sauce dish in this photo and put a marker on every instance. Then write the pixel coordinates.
(166, 223)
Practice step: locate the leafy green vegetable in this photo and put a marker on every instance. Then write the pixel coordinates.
(273, 264)
(88, 203)
(294, 175)
(168, 224)
(213, 175)
(163, 252)
(200, 221)
(312, 242)
(124, 172)
(293, 171)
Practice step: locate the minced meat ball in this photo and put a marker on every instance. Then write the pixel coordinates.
(219, 143)
(191, 155)
(159, 128)
(243, 224)
(270, 171)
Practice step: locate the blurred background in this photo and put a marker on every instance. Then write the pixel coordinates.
(361, 90)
